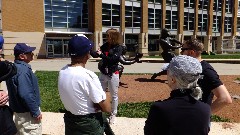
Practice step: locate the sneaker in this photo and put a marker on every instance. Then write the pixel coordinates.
(111, 119)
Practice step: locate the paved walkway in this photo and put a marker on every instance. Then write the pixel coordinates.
(145, 67)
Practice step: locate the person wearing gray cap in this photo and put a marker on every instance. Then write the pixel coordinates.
(24, 94)
(182, 113)
(210, 83)
(81, 93)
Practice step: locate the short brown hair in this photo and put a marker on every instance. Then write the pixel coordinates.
(195, 45)
(114, 35)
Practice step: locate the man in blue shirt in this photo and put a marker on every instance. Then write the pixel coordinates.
(24, 96)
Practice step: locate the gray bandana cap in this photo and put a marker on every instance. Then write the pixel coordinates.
(186, 69)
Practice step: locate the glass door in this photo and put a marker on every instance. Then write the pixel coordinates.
(58, 51)
(50, 50)
(65, 50)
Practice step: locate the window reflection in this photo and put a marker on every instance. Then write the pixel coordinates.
(66, 14)
(110, 14)
(133, 15)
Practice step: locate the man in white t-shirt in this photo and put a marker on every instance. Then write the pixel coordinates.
(81, 93)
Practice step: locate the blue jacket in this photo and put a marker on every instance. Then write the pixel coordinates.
(23, 90)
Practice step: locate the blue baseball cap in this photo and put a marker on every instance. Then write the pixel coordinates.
(1, 42)
(79, 45)
(21, 48)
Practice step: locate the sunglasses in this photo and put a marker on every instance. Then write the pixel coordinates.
(184, 49)
(28, 53)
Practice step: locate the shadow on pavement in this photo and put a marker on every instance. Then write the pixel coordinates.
(150, 80)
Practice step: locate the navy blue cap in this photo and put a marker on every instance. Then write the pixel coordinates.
(1, 42)
(79, 45)
(21, 48)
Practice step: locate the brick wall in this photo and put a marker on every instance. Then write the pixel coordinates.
(23, 15)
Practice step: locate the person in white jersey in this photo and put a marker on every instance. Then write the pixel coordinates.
(81, 93)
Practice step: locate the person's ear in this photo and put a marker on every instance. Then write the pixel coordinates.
(192, 52)
(173, 80)
(21, 56)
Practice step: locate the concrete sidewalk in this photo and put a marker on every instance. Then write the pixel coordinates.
(149, 66)
(53, 124)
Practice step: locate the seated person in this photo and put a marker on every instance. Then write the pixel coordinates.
(182, 113)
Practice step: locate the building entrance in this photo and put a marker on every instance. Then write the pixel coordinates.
(57, 48)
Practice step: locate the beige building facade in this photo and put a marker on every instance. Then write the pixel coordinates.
(49, 24)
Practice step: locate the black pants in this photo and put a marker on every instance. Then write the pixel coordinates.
(91, 124)
(7, 126)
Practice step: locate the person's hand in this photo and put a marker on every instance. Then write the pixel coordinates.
(99, 52)
(39, 117)
(3, 98)
(97, 107)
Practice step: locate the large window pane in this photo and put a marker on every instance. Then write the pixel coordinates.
(128, 16)
(66, 13)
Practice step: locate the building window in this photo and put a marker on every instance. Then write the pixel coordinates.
(155, 1)
(189, 3)
(203, 4)
(168, 19)
(66, 13)
(228, 24)
(158, 18)
(174, 20)
(131, 42)
(137, 17)
(217, 5)
(202, 22)
(133, 15)
(154, 17)
(110, 14)
(171, 18)
(188, 21)
(128, 16)
(172, 2)
(151, 18)
(229, 5)
(216, 23)
(153, 43)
